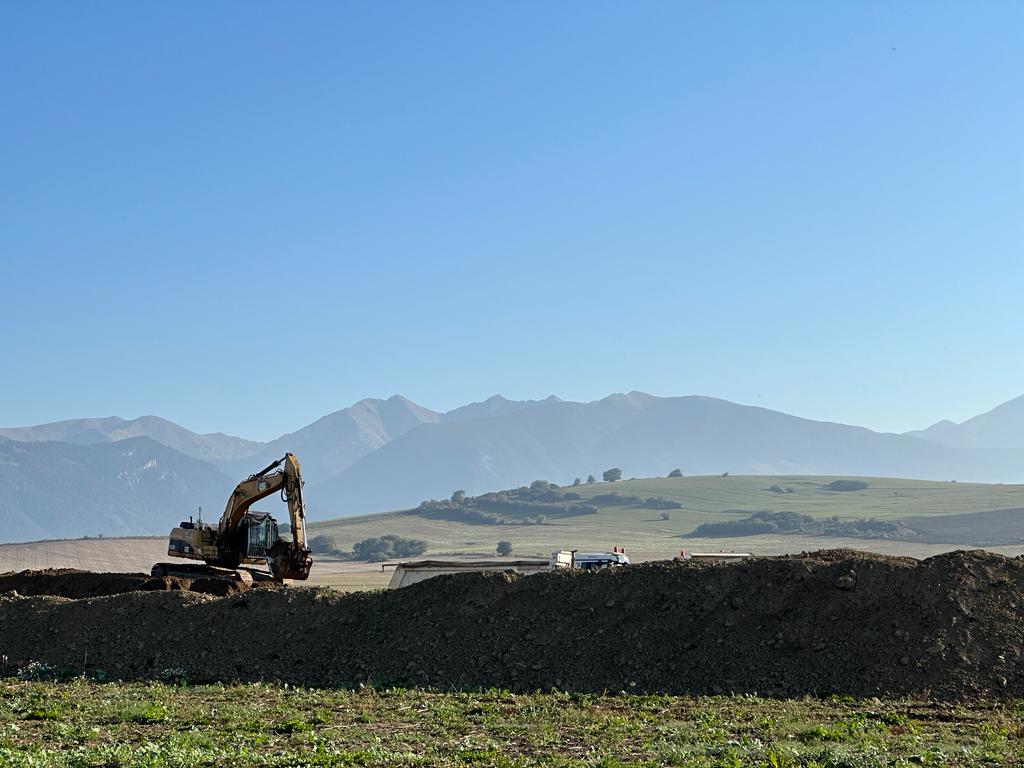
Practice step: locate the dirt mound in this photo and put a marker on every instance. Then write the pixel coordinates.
(206, 586)
(951, 626)
(68, 582)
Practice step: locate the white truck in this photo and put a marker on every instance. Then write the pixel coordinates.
(592, 561)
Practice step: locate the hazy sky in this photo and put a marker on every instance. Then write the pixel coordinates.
(241, 216)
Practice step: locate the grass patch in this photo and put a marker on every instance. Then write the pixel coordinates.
(87, 723)
(293, 726)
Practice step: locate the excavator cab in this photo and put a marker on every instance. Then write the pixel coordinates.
(257, 533)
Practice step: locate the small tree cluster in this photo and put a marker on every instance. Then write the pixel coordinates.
(847, 485)
(325, 545)
(386, 547)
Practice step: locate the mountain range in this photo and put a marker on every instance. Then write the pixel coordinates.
(113, 476)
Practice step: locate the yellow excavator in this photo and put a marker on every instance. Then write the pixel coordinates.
(247, 537)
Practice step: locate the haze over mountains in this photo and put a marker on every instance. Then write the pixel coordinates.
(133, 486)
(118, 477)
(994, 436)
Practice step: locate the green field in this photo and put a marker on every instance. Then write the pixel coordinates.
(645, 534)
(140, 725)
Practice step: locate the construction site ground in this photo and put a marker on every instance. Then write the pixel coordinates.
(137, 555)
(949, 627)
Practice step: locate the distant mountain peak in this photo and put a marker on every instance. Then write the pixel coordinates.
(495, 405)
(109, 429)
(634, 399)
(995, 434)
(333, 442)
(402, 399)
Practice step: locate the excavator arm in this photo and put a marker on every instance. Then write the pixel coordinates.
(292, 560)
(287, 559)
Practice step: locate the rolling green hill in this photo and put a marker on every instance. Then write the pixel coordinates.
(884, 497)
(645, 533)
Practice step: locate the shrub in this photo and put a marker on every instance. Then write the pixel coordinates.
(325, 545)
(612, 475)
(173, 675)
(657, 502)
(385, 547)
(796, 522)
(613, 499)
(591, 479)
(847, 485)
(666, 515)
(504, 548)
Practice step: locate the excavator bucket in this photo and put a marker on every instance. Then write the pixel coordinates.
(289, 562)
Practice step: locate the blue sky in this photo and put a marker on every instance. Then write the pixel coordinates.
(241, 216)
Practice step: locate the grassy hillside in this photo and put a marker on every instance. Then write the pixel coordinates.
(884, 497)
(645, 534)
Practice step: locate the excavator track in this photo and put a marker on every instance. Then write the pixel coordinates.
(187, 571)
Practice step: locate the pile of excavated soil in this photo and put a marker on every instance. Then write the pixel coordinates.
(68, 582)
(951, 626)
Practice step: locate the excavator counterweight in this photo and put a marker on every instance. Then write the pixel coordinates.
(244, 536)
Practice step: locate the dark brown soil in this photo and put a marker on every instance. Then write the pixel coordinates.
(68, 582)
(951, 626)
